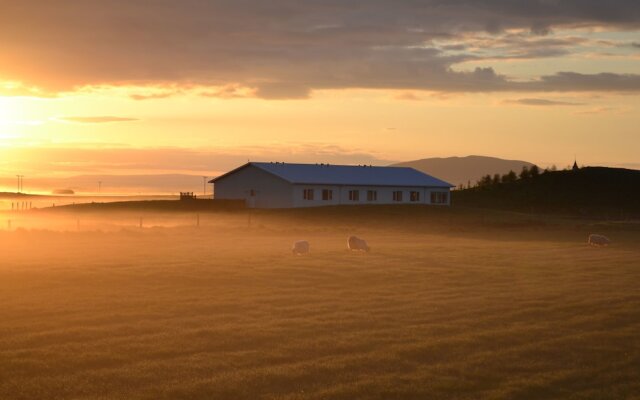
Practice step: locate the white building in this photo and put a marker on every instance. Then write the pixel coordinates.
(283, 185)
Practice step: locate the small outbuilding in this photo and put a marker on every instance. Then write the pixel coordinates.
(285, 185)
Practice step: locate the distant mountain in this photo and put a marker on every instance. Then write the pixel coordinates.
(461, 170)
(595, 191)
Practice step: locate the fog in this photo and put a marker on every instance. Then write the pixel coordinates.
(447, 301)
(25, 202)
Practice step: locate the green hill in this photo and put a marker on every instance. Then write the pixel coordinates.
(588, 191)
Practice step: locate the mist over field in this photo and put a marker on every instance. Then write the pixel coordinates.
(319, 200)
(449, 303)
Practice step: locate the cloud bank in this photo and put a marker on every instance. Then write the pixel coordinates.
(287, 49)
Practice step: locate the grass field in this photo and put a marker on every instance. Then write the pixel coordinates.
(437, 310)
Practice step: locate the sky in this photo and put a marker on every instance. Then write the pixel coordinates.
(199, 87)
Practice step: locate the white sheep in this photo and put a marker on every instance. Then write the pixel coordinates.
(300, 247)
(598, 240)
(355, 243)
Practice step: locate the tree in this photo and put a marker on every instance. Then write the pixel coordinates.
(509, 177)
(524, 174)
(534, 171)
(485, 181)
(496, 179)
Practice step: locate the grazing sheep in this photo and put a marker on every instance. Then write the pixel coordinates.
(598, 240)
(300, 247)
(355, 243)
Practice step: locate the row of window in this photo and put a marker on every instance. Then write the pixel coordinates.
(372, 195)
(439, 197)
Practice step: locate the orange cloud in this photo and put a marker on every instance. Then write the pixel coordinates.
(97, 120)
(541, 102)
(407, 96)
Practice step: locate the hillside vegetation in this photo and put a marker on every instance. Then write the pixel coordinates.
(592, 191)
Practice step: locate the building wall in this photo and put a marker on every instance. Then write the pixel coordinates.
(261, 189)
(341, 195)
(268, 190)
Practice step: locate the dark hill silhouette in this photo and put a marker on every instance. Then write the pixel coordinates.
(461, 170)
(596, 191)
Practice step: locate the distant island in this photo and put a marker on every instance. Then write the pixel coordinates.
(62, 192)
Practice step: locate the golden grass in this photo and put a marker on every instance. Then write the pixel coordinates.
(229, 313)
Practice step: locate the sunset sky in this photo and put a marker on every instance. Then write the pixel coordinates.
(197, 87)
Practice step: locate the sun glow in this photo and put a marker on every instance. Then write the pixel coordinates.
(4, 110)
(10, 112)
(8, 122)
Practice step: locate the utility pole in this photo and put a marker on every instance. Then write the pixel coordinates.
(20, 181)
(204, 185)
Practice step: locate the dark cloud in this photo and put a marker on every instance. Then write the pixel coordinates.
(284, 49)
(97, 120)
(572, 81)
(454, 47)
(282, 91)
(229, 91)
(542, 102)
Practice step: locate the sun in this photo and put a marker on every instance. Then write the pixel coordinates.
(7, 109)
(12, 116)
(8, 128)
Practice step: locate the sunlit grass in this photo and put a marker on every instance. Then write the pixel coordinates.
(229, 313)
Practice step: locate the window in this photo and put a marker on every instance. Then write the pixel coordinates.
(354, 195)
(439, 197)
(397, 195)
(307, 194)
(372, 195)
(327, 194)
(414, 196)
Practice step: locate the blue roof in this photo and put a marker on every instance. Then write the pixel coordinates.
(354, 175)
